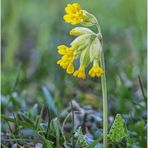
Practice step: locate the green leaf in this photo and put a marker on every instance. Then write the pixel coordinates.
(54, 132)
(118, 129)
(98, 146)
(54, 126)
(4, 146)
(139, 128)
(19, 123)
(25, 118)
(39, 118)
(95, 143)
(47, 144)
(49, 99)
(81, 139)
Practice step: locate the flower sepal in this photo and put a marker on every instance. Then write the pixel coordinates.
(77, 31)
(95, 49)
(89, 19)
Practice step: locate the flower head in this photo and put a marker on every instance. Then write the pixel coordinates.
(74, 14)
(96, 70)
(86, 46)
(80, 73)
(87, 49)
(67, 59)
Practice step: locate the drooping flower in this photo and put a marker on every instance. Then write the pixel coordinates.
(80, 73)
(70, 54)
(67, 59)
(74, 14)
(96, 71)
(86, 46)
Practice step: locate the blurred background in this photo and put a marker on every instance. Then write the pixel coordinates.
(32, 30)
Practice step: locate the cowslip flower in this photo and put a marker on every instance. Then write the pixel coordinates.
(80, 73)
(67, 59)
(85, 47)
(75, 15)
(96, 71)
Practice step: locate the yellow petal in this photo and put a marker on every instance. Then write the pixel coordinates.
(70, 9)
(81, 75)
(91, 73)
(70, 69)
(76, 73)
(67, 18)
(62, 49)
(76, 6)
(59, 61)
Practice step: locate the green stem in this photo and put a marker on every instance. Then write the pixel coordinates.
(72, 125)
(104, 93)
(142, 89)
(104, 90)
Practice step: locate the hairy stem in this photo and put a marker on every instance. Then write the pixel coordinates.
(104, 93)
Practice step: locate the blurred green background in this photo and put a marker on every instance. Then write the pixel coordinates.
(32, 30)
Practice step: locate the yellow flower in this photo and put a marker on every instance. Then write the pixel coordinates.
(62, 49)
(96, 70)
(86, 46)
(70, 68)
(74, 14)
(66, 62)
(80, 73)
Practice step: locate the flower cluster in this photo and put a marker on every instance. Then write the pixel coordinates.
(74, 14)
(66, 61)
(86, 46)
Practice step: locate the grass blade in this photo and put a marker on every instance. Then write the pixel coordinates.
(142, 89)
(49, 99)
(39, 119)
(72, 125)
(19, 123)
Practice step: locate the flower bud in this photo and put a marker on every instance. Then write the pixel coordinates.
(89, 19)
(77, 31)
(84, 57)
(95, 49)
(85, 38)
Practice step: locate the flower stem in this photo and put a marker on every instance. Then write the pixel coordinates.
(104, 91)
